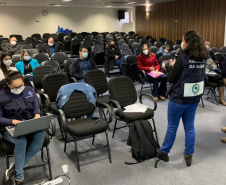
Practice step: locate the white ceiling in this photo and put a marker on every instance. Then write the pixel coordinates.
(81, 3)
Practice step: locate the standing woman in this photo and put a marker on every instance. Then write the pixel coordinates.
(27, 64)
(6, 61)
(18, 103)
(187, 78)
(148, 62)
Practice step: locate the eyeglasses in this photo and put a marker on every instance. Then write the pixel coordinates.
(16, 88)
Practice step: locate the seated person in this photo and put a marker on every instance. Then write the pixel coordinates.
(207, 43)
(5, 62)
(24, 106)
(148, 62)
(12, 47)
(51, 48)
(26, 65)
(114, 55)
(83, 64)
(164, 50)
(142, 42)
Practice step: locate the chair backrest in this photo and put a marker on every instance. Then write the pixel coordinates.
(169, 42)
(165, 57)
(15, 59)
(52, 83)
(61, 36)
(131, 41)
(154, 49)
(86, 44)
(26, 46)
(178, 42)
(123, 46)
(121, 41)
(97, 79)
(98, 43)
(214, 50)
(162, 40)
(94, 33)
(75, 48)
(97, 49)
(45, 37)
(41, 47)
(77, 106)
(131, 67)
(126, 52)
(39, 72)
(18, 37)
(35, 43)
(29, 40)
(158, 44)
(223, 49)
(79, 36)
(67, 43)
(122, 33)
(40, 57)
(99, 58)
(37, 36)
(89, 40)
(67, 64)
(152, 40)
(21, 42)
(148, 37)
(135, 35)
(135, 45)
(76, 41)
(33, 51)
(131, 33)
(83, 34)
(219, 57)
(59, 57)
(123, 90)
(138, 38)
(175, 47)
(73, 34)
(53, 63)
(54, 36)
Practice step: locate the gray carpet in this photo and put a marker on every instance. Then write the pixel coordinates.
(208, 165)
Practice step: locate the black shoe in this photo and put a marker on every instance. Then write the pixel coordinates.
(162, 156)
(10, 172)
(188, 159)
(111, 65)
(18, 182)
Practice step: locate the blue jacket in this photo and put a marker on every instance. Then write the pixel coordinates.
(23, 106)
(160, 53)
(65, 92)
(20, 65)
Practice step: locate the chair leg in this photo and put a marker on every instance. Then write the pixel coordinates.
(141, 88)
(202, 102)
(65, 142)
(49, 163)
(7, 166)
(209, 91)
(109, 149)
(114, 128)
(155, 130)
(214, 94)
(93, 139)
(77, 155)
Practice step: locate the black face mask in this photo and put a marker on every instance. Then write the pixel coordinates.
(112, 46)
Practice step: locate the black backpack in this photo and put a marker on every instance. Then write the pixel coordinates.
(141, 139)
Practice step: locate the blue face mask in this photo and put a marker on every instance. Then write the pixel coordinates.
(27, 58)
(84, 55)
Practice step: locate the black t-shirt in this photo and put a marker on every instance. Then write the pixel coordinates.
(27, 67)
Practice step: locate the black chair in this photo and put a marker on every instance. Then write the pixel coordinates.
(99, 59)
(66, 45)
(87, 45)
(121, 41)
(45, 37)
(213, 50)
(79, 36)
(36, 36)
(126, 52)
(33, 51)
(163, 59)
(18, 37)
(73, 34)
(131, 41)
(53, 63)
(7, 148)
(162, 40)
(26, 46)
(67, 64)
(175, 47)
(148, 37)
(154, 49)
(98, 43)
(152, 40)
(40, 57)
(60, 57)
(122, 33)
(83, 34)
(54, 36)
(123, 46)
(223, 50)
(128, 38)
(35, 43)
(88, 39)
(15, 59)
(158, 44)
(41, 47)
(131, 33)
(29, 40)
(219, 58)
(123, 93)
(129, 67)
(169, 42)
(75, 45)
(211, 86)
(134, 46)
(138, 38)
(178, 42)
(94, 33)
(21, 42)
(61, 37)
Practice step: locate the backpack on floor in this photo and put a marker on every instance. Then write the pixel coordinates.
(141, 139)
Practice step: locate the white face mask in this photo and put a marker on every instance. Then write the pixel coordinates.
(13, 43)
(18, 90)
(7, 62)
(207, 46)
(50, 44)
(145, 52)
(182, 45)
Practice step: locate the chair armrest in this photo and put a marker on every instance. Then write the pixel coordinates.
(116, 103)
(32, 85)
(62, 119)
(124, 69)
(109, 110)
(73, 79)
(52, 129)
(39, 100)
(46, 101)
(142, 75)
(150, 97)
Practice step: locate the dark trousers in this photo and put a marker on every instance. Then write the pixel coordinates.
(217, 79)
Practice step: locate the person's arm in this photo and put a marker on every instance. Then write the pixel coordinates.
(108, 54)
(5, 121)
(140, 65)
(156, 63)
(36, 106)
(94, 64)
(175, 71)
(118, 53)
(6, 48)
(74, 71)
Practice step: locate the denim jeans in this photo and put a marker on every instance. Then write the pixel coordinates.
(119, 62)
(159, 90)
(22, 153)
(177, 111)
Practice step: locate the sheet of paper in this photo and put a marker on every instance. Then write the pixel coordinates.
(135, 108)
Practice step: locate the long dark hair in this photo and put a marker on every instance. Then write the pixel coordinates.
(195, 48)
(23, 52)
(2, 65)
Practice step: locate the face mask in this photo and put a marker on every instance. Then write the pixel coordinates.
(13, 43)
(18, 90)
(207, 46)
(84, 54)
(182, 45)
(145, 52)
(50, 44)
(112, 45)
(166, 51)
(7, 62)
(27, 58)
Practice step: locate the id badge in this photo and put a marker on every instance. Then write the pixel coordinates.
(193, 89)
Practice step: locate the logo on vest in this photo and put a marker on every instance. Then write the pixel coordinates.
(195, 88)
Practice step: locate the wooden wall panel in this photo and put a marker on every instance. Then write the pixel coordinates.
(204, 16)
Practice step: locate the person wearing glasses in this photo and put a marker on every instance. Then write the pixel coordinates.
(17, 103)
(81, 65)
